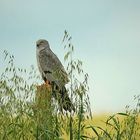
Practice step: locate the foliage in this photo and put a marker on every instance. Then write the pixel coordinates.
(28, 111)
(120, 126)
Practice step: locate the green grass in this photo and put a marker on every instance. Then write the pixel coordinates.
(28, 112)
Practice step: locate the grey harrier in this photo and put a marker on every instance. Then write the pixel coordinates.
(53, 73)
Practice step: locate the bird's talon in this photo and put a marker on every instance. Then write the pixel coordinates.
(48, 85)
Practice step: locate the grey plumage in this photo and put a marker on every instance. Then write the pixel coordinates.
(52, 70)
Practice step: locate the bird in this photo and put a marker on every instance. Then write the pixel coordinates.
(53, 74)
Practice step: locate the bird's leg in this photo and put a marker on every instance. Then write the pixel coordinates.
(48, 84)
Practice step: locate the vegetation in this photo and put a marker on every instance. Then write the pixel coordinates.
(28, 111)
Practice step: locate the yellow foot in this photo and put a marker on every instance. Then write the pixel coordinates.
(48, 85)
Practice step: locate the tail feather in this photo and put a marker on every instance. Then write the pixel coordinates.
(64, 100)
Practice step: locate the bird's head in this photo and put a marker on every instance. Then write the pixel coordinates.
(42, 44)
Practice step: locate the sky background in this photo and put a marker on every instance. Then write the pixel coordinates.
(106, 37)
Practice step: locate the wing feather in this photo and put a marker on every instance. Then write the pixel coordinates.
(50, 62)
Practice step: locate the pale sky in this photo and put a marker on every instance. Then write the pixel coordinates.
(106, 37)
